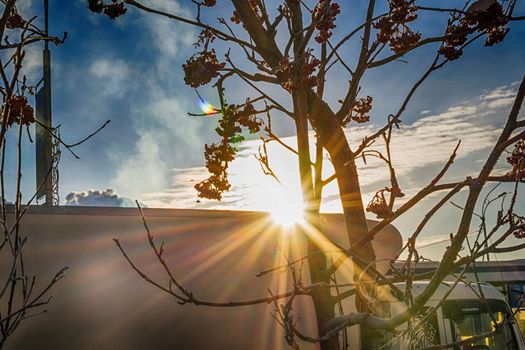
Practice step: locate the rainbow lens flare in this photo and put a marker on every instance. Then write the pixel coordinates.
(207, 108)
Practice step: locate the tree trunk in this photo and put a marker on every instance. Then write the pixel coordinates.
(321, 297)
(309, 106)
(333, 139)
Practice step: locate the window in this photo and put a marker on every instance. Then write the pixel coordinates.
(472, 318)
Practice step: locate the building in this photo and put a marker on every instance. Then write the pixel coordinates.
(508, 276)
(103, 304)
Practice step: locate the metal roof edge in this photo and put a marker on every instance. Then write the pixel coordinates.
(150, 212)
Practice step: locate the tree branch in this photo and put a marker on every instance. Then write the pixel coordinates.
(220, 34)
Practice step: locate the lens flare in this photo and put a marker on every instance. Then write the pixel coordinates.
(207, 108)
(287, 214)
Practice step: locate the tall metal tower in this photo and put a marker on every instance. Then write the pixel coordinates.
(47, 152)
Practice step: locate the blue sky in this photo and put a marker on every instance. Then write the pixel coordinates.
(129, 71)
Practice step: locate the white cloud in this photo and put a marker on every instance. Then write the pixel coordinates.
(169, 6)
(32, 65)
(182, 194)
(500, 92)
(418, 149)
(422, 147)
(113, 75)
(168, 36)
(166, 135)
(98, 198)
(25, 8)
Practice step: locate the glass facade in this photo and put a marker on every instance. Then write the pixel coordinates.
(487, 322)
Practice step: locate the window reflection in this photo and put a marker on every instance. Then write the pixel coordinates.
(470, 319)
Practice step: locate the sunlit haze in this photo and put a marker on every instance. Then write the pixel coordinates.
(131, 73)
(287, 213)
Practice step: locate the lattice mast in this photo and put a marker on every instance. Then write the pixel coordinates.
(47, 151)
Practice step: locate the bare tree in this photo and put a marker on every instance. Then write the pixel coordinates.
(21, 295)
(274, 48)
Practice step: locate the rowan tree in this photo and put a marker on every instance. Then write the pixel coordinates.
(22, 295)
(290, 47)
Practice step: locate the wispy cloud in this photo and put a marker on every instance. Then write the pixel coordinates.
(144, 171)
(418, 150)
(182, 194)
(158, 125)
(168, 37)
(113, 75)
(160, 134)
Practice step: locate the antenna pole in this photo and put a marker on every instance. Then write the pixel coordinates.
(45, 177)
(46, 16)
(47, 88)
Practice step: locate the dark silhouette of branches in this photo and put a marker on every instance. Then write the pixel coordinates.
(21, 297)
(287, 52)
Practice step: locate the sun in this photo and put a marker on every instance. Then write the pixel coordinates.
(287, 214)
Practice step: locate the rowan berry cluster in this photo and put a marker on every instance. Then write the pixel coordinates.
(519, 233)
(201, 68)
(392, 27)
(491, 20)
(385, 29)
(209, 3)
(112, 10)
(456, 36)
(402, 11)
(517, 160)
(404, 40)
(324, 17)
(219, 155)
(359, 111)
(308, 69)
(15, 20)
(235, 18)
(299, 73)
(247, 117)
(379, 206)
(17, 110)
